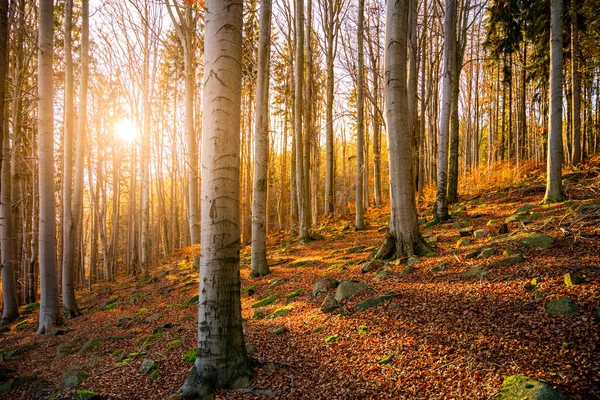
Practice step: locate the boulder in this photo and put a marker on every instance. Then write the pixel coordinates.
(152, 318)
(507, 261)
(372, 266)
(524, 208)
(349, 288)
(323, 285)
(439, 267)
(473, 254)
(486, 253)
(465, 232)
(280, 312)
(148, 366)
(481, 233)
(382, 274)
(563, 306)
(465, 241)
(408, 270)
(573, 279)
(476, 270)
(374, 301)
(276, 282)
(72, 378)
(329, 305)
(519, 387)
(536, 240)
(356, 249)
(279, 331)
(412, 261)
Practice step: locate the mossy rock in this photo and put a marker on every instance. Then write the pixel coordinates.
(190, 355)
(148, 366)
(382, 274)
(439, 267)
(329, 305)
(481, 233)
(563, 306)
(265, 302)
(387, 359)
(477, 271)
(87, 395)
(412, 261)
(373, 301)
(347, 289)
(588, 208)
(31, 307)
(492, 222)
(462, 242)
(486, 253)
(331, 338)
(356, 249)
(522, 216)
(152, 318)
(509, 252)
(323, 285)
(72, 378)
(433, 222)
(280, 312)
(524, 208)
(573, 279)
(408, 270)
(90, 344)
(507, 261)
(273, 283)
(293, 294)
(372, 266)
(535, 240)
(473, 254)
(278, 331)
(249, 290)
(519, 387)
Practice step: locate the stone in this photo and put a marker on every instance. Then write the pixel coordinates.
(276, 282)
(152, 318)
(507, 261)
(265, 302)
(509, 252)
(90, 344)
(372, 266)
(503, 230)
(563, 306)
(433, 222)
(279, 331)
(14, 383)
(59, 331)
(536, 240)
(481, 233)
(519, 387)
(323, 285)
(63, 350)
(492, 222)
(432, 240)
(472, 254)
(465, 232)
(72, 378)
(476, 270)
(524, 208)
(148, 366)
(373, 301)
(329, 305)
(356, 249)
(486, 253)
(572, 279)
(412, 261)
(439, 267)
(523, 216)
(349, 288)
(463, 242)
(408, 270)
(317, 236)
(280, 312)
(382, 274)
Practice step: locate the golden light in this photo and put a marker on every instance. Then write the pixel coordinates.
(126, 130)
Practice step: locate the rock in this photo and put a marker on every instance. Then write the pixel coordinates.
(39, 386)
(323, 285)
(433, 222)
(148, 366)
(265, 302)
(519, 387)
(374, 301)
(523, 216)
(372, 265)
(536, 240)
(251, 349)
(163, 328)
(408, 270)
(412, 261)
(387, 359)
(563, 306)
(63, 350)
(465, 232)
(486, 253)
(279, 331)
(152, 318)
(432, 240)
(59, 331)
(573, 279)
(87, 395)
(463, 242)
(472, 254)
(507, 261)
(382, 274)
(509, 252)
(259, 313)
(280, 312)
(72, 378)
(524, 208)
(16, 382)
(536, 281)
(329, 305)
(439, 267)
(481, 233)
(492, 222)
(90, 344)
(456, 225)
(349, 288)
(276, 282)
(317, 236)
(356, 249)
(503, 230)
(476, 270)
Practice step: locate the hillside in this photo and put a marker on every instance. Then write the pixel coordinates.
(453, 324)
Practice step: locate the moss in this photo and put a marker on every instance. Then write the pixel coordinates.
(111, 306)
(118, 352)
(387, 359)
(142, 310)
(264, 302)
(86, 395)
(154, 374)
(31, 307)
(280, 312)
(249, 289)
(190, 356)
(295, 293)
(363, 329)
(193, 300)
(331, 338)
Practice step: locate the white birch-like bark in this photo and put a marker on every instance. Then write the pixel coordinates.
(260, 266)
(47, 204)
(221, 358)
(576, 90)
(360, 111)
(554, 189)
(403, 238)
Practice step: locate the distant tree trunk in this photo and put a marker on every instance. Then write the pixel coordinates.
(360, 129)
(221, 358)
(576, 90)
(308, 111)
(47, 241)
(452, 194)
(68, 261)
(260, 266)
(443, 135)
(554, 190)
(145, 156)
(403, 238)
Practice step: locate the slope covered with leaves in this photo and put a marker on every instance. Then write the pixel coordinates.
(452, 325)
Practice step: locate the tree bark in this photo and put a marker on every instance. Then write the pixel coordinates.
(576, 89)
(360, 129)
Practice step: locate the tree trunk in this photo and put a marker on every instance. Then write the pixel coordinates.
(360, 129)
(47, 241)
(576, 89)
(403, 238)
(554, 190)
(260, 266)
(221, 358)
(443, 135)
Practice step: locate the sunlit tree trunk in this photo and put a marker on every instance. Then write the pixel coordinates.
(145, 154)
(360, 129)
(308, 111)
(221, 358)
(554, 190)
(68, 261)
(47, 241)
(576, 89)
(260, 266)
(403, 238)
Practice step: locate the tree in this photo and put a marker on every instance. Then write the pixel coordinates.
(10, 309)
(446, 110)
(403, 237)
(576, 89)
(260, 266)
(554, 190)
(47, 224)
(68, 261)
(360, 111)
(221, 358)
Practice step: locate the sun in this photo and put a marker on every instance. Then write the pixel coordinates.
(126, 130)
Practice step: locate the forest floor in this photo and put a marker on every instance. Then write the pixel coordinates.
(440, 335)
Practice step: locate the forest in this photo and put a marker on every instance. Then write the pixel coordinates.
(298, 199)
